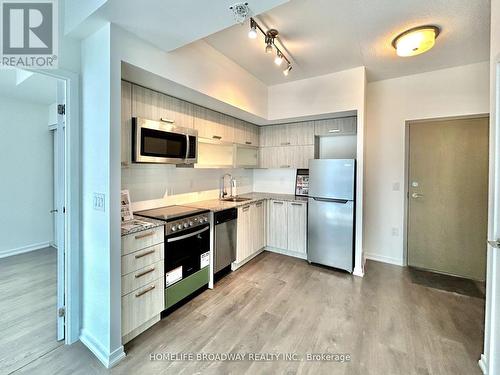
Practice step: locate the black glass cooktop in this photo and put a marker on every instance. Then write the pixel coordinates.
(170, 213)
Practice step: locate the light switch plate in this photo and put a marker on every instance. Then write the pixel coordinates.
(99, 202)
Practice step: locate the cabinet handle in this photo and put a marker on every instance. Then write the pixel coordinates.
(137, 275)
(144, 254)
(216, 137)
(334, 131)
(245, 208)
(163, 119)
(144, 235)
(276, 202)
(145, 291)
(248, 143)
(285, 166)
(296, 204)
(285, 143)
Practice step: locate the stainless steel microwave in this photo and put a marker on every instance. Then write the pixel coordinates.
(160, 142)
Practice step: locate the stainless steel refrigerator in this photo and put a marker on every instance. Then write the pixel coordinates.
(331, 212)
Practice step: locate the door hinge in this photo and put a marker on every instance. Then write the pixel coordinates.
(61, 109)
(61, 312)
(64, 210)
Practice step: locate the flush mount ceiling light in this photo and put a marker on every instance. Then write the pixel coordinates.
(270, 37)
(416, 40)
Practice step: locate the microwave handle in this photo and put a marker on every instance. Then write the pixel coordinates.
(187, 146)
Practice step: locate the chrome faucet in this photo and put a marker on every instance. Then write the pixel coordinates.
(223, 191)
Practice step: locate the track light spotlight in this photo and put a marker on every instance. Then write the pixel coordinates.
(278, 59)
(287, 70)
(252, 34)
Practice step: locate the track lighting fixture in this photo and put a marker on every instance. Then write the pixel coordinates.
(269, 37)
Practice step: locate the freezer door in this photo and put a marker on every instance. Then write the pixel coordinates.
(332, 178)
(331, 233)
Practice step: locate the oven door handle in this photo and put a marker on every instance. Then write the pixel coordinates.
(173, 239)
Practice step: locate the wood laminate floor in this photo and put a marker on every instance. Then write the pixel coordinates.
(279, 304)
(28, 289)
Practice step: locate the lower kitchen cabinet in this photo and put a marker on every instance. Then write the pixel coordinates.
(251, 230)
(243, 234)
(297, 227)
(143, 297)
(277, 235)
(288, 226)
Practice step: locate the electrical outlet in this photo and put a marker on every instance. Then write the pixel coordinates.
(99, 202)
(395, 231)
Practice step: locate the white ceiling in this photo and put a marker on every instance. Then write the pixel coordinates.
(170, 24)
(35, 88)
(325, 36)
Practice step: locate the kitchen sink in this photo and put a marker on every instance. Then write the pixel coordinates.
(235, 199)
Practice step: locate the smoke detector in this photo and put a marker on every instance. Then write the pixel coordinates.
(240, 11)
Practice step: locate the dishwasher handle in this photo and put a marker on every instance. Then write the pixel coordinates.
(221, 217)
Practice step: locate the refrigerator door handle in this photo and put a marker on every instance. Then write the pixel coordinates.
(343, 201)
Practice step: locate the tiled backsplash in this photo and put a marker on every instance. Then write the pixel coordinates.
(156, 185)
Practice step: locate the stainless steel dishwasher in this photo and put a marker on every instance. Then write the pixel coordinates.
(225, 238)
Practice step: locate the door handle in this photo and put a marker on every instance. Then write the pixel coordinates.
(494, 244)
(417, 195)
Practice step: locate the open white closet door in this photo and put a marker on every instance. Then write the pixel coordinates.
(59, 203)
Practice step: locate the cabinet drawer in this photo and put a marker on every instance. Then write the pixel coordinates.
(141, 305)
(141, 240)
(141, 277)
(142, 258)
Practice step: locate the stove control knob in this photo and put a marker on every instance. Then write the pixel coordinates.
(205, 219)
(173, 229)
(190, 223)
(179, 226)
(186, 225)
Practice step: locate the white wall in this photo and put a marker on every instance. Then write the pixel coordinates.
(279, 181)
(101, 302)
(197, 66)
(27, 187)
(449, 92)
(153, 186)
(330, 93)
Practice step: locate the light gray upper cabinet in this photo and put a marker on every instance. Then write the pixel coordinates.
(246, 133)
(296, 134)
(338, 126)
(297, 227)
(154, 105)
(277, 233)
(301, 133)
(126, 122)
(213, 125)
(286, 156)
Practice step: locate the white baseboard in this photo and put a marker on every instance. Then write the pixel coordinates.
(384, 259)
(358, 271)
(286, 252)
(107, 359)
(483, 364)
(24, 249)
